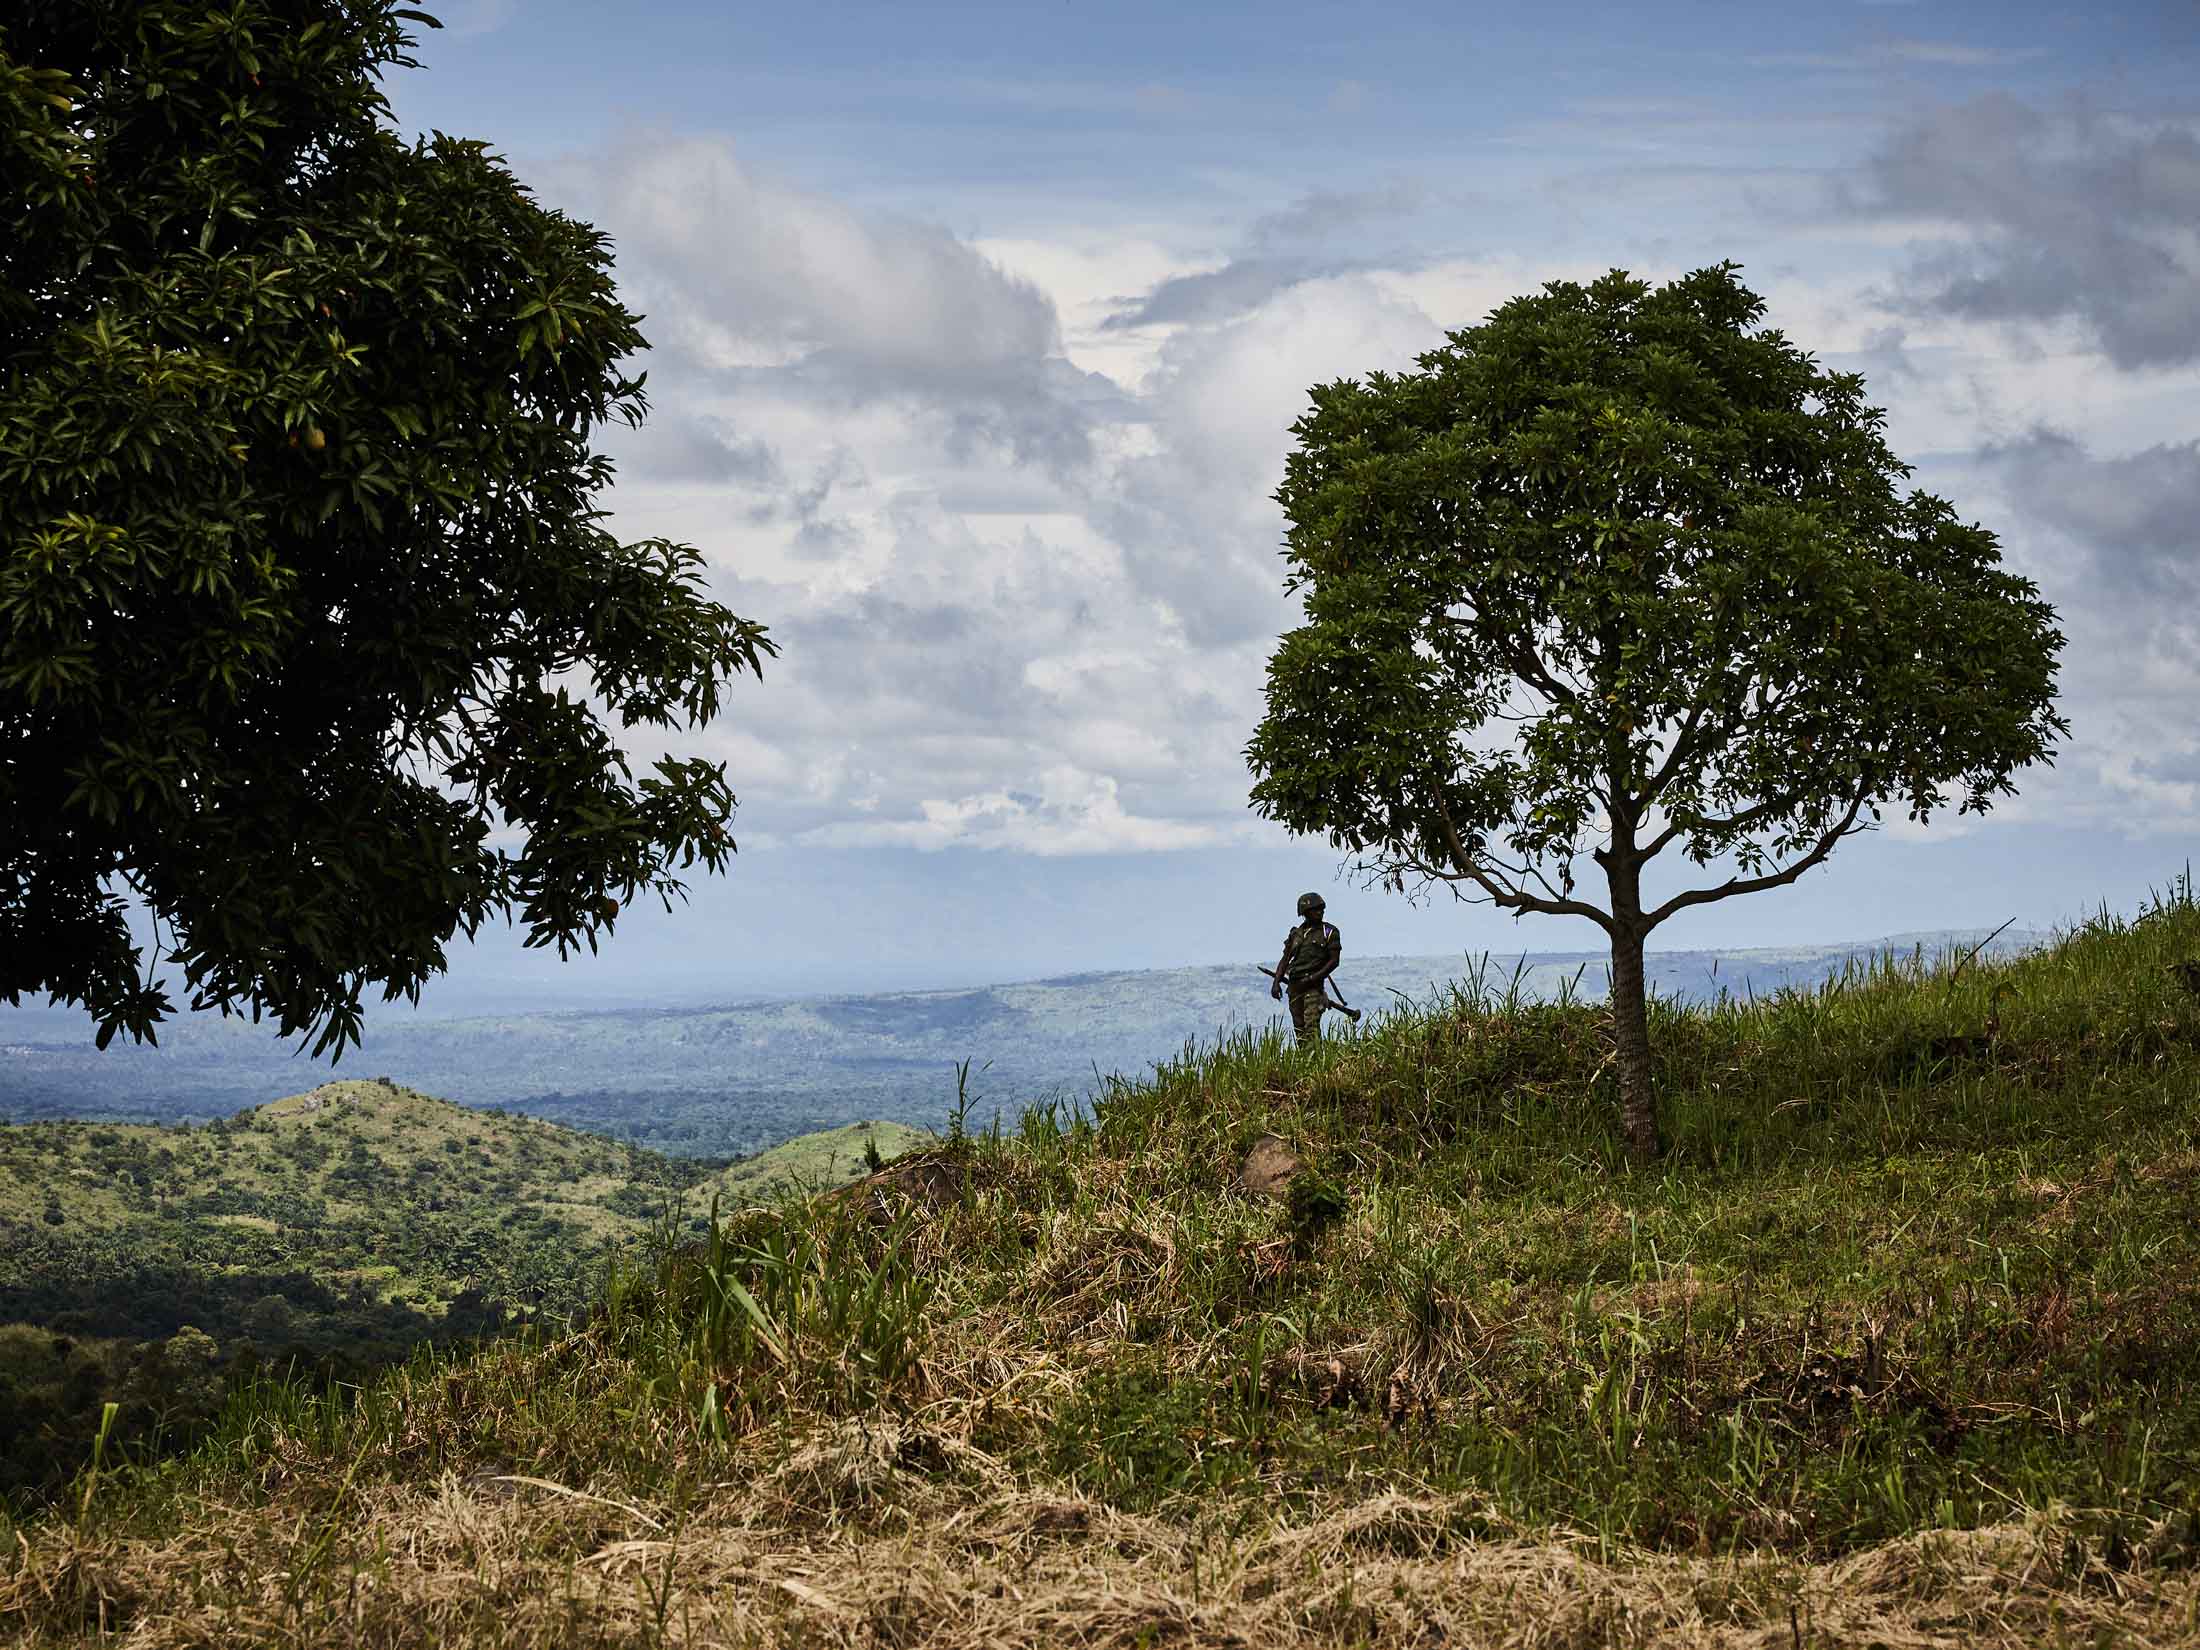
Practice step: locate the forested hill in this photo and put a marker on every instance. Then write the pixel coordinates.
(741, 1077)
(336, 1229)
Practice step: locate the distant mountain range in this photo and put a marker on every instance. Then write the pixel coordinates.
(744, 1076)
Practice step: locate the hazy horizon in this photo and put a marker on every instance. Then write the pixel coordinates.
(735, 1074)
(488, 995)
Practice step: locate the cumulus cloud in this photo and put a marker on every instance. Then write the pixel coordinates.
(980, 575)
(699, 447)
(2180, 766)
(2069, 215)
(1323, 214)
(2131, 517)
(984, 651)
(1071, 812)
(1211, 294)
(755, 273)
(1025, 566)
(1196, 516)
(2108, 538)
(782, 321)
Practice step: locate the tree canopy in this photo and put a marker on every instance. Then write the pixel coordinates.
(312, 638)
(1671, 552)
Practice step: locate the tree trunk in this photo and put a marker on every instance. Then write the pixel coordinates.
(1638, 1122)
(1631, 1034)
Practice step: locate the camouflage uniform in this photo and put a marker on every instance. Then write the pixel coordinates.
(1309, 952)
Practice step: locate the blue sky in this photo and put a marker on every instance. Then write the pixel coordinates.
(978, 330)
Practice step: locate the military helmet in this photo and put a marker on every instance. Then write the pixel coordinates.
(1310, 905)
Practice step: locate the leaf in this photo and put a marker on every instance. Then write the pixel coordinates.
(766, 1330)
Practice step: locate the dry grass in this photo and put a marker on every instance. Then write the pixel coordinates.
(890, 1535)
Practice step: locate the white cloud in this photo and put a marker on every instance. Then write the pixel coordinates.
(1072, 812)
(1196, 519)
(749, 273)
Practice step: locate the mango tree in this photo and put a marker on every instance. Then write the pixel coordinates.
(313, 646)
(1615, 570)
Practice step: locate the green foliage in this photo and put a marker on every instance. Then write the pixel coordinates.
(303, 591)
(1135, 1435)
(57, 1389)
(1313, 1203)
(329, 1235)
(832, 1314)
(1676, 548)
(334, 1239)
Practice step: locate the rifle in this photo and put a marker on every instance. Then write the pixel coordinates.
(1330, 994)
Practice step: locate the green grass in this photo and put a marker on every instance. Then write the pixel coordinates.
(1922, 1257)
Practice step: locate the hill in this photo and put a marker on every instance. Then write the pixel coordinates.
(1377, 1343)
(335, 1230)
(830, 1157)
(738, 1078)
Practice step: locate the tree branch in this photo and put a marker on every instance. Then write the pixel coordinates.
(1681, 751)
(1511, 899)
(1732, 822)
(1526, 664)
(1775, 879)
(1536, 871)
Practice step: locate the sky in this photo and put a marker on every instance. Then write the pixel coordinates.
(977, 332)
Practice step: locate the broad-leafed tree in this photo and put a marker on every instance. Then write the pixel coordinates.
(311, 635)
(1618, 570)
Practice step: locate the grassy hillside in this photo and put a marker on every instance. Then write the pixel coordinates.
(336, 1229)
(829, 1157)
(1900, 1345)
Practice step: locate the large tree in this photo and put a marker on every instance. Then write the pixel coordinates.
(311, 638)
(1671, 552)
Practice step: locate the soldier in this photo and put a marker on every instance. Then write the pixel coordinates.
(1311, 953)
